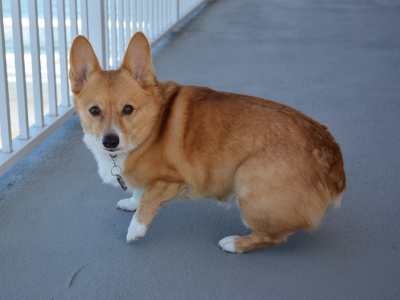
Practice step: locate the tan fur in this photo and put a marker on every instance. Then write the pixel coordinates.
(284, 167)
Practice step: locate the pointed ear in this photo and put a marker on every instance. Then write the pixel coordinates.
(137, 60)
(82, 63)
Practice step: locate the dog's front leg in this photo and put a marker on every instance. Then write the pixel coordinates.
(132, 203)
(153, 198)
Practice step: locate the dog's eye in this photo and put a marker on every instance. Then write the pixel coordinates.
(127, 110)
(95, 111)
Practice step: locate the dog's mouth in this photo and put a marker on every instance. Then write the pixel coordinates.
(113, 150)
(119, 150)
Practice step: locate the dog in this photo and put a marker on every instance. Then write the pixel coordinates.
(162, 140)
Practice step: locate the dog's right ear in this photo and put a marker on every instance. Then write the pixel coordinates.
(82, 63)
(137, 60)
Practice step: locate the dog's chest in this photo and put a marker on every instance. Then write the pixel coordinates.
(104, 162)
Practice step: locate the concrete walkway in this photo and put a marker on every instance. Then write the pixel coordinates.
(339, 62)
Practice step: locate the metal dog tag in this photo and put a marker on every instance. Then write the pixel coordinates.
(121, 182)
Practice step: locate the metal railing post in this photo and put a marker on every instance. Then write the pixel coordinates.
(178, 8)
(97, 29)
(5, 122)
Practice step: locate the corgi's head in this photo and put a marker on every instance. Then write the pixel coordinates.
(117, 108)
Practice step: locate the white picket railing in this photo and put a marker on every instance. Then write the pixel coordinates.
(34, 39)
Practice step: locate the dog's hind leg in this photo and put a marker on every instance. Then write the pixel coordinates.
(253, 241)
(274, 201)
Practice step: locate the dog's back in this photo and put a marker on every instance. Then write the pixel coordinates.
(219, 130)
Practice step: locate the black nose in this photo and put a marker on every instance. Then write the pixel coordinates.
(110, 141)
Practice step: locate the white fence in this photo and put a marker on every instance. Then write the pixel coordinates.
(34, 39)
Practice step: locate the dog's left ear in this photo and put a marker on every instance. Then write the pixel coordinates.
(138, 61)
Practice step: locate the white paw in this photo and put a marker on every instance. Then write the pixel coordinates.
(228, 243)
(132, 203)
(136, 230)
(129, 204)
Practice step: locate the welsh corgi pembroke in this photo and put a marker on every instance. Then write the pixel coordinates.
(161, 139)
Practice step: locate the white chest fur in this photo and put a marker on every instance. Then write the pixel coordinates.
(103, 159)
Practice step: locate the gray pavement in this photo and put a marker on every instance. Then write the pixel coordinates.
(338, 61)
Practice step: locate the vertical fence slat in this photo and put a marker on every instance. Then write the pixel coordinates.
(106, 36)
(84, 18)
(5, 124)
(131, 3)
(134, 7)
(173, 11)
(96, 29)
(139, 15)
(114, 40)
(51, 72)
(163, 10)
(160, 15)
(36, 69)
(127, 20)
(167, 8)
(62, 44)
(151, 19)
(147, 19)
(156, 14)
(73, 19)
(170, 11)
(158, 23)
(144, 17)
(167, 13)
(148, 16)
(178, 7)
(20, 70)
(163, 14)
(120, 30)
(134, 16)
